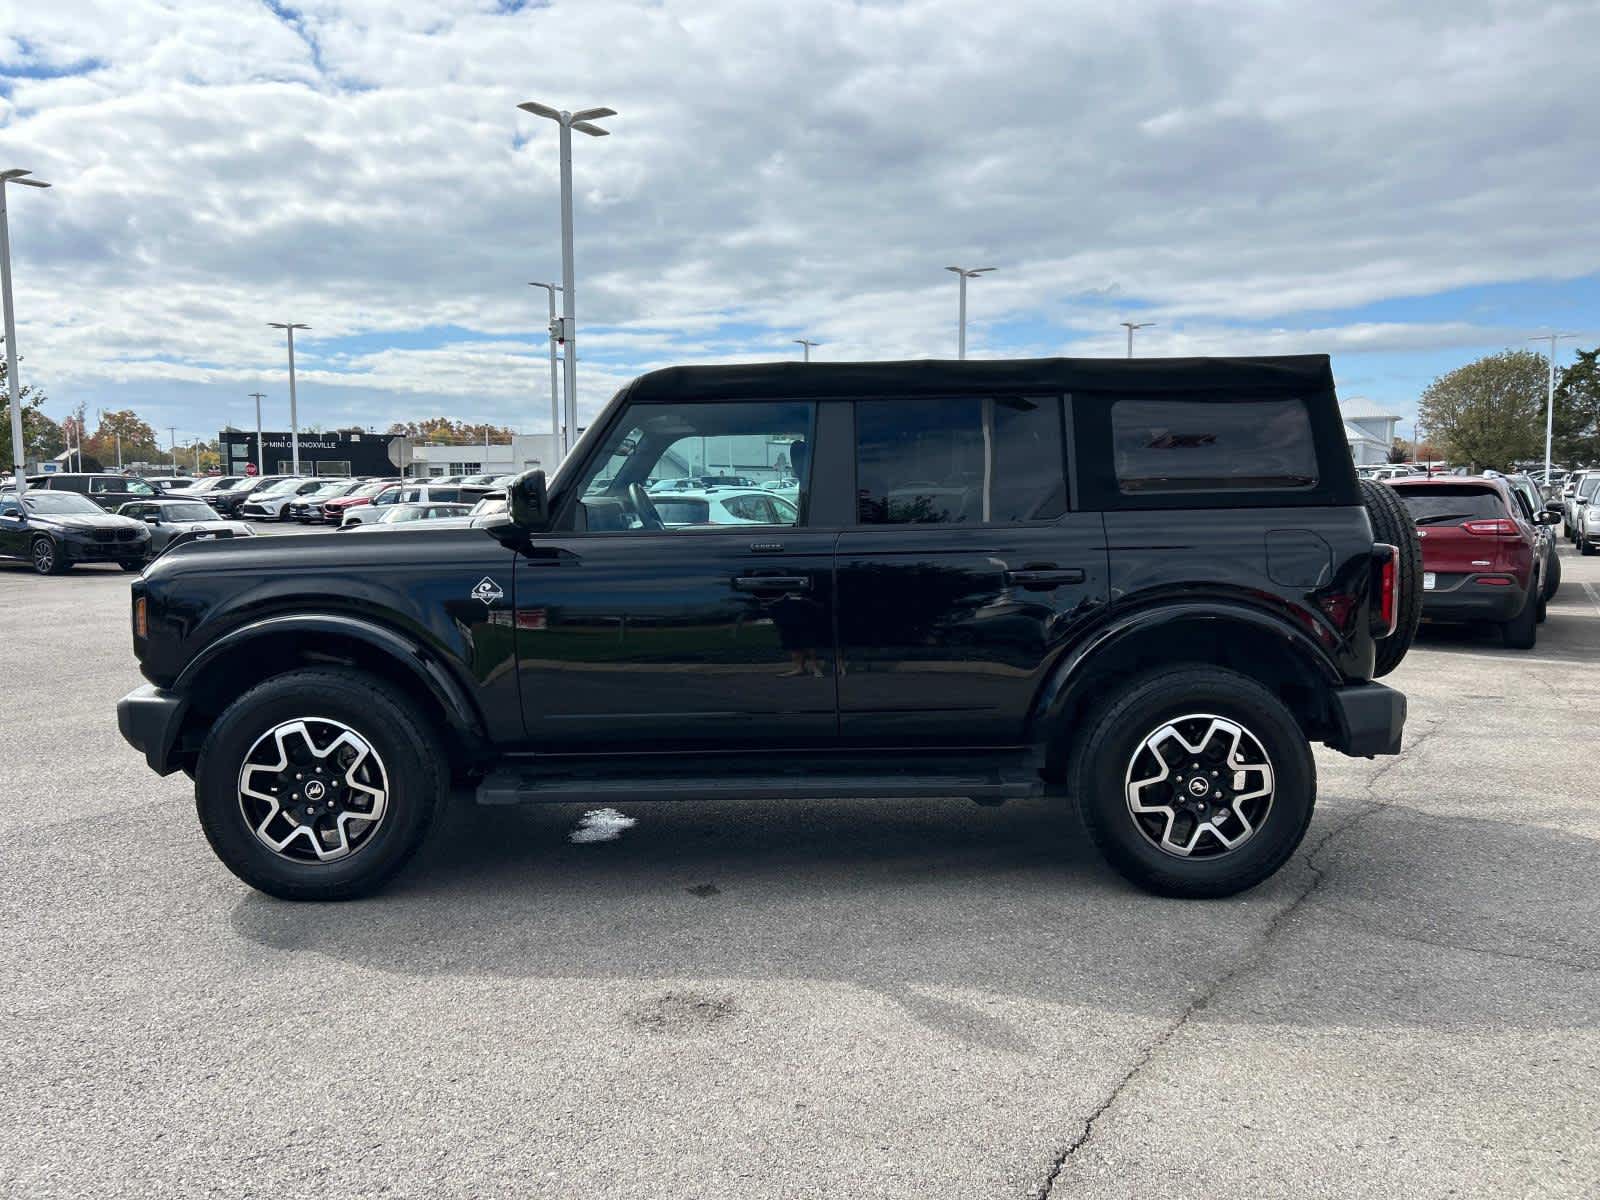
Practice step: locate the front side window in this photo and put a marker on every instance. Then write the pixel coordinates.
(1163, 446)
(959, 460)
(663, 466)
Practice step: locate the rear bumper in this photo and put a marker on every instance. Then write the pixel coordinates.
(1370, 718)
(149, 719)
(1470, 600)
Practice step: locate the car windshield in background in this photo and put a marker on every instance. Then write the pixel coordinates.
(683, 511)
(1436, 505)
(188, 512)
(47, 503)
(283, 485)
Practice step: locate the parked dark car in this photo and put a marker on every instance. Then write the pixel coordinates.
(1530, 502)
(1480, 554)
(228, 503)
(1145, 585)
(57, 530)
(108, 490)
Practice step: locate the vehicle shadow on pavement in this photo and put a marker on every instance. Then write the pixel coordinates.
(903, 897)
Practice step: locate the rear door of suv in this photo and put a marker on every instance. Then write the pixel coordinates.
(965, 572)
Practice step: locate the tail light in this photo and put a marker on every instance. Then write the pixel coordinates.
(1388, 588)
(1492, 527)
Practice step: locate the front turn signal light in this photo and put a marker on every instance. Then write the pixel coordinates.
(141, 623)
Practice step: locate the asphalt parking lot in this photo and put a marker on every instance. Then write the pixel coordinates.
(812, 999)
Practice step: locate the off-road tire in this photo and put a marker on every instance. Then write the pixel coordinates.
(1110, 739)
(1521, 632)
(405, 740)
(1392, 524)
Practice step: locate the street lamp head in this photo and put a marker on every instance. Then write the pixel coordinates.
(287, 325)
(973, 273)
(591, 130)
(1136, 324)
(552, 286)
(15, 175)
(580, 120)
(539, 110)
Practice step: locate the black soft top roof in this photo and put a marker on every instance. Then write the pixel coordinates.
(1301, 374)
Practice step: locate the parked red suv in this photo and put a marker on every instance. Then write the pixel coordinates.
(1479, 557)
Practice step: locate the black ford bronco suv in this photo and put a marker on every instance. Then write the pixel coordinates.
(1145, 585)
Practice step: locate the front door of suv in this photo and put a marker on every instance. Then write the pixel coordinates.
(966, 574)
(641, 629)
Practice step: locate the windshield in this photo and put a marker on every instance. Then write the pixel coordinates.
(283, 485)
(188, 512)
(404, 512)
(330, 489)
(60, 502)
(371, 489)
(1587, 487)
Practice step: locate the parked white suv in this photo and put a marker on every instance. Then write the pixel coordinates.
(268, 504)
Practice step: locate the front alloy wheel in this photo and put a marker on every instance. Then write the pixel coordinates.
(1199, 786)
(44, 556)
(313, 789)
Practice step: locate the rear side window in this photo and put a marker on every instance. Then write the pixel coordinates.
(959, 460)
(1445, 503)
(1162, 446)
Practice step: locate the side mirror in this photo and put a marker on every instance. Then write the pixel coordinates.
(1547, 518)
(529, 503)
(152, 519)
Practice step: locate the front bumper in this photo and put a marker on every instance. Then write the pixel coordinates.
(150, 719)
(74, 550)
(1370, 719)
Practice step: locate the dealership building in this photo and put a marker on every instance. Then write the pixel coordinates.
(320, 453)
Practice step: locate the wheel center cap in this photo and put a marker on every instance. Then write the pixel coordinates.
(315, 790)
(1198, 786)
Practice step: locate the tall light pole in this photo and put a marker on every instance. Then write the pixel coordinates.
(172, 451)
(261, 465)
(555, 389)
(294, 415)
(1550, 396)
(807, 343)
(18, 450)
(1130, 326)
(583, 122)
(964, 274)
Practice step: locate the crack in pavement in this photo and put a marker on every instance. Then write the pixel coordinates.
(1248, 961)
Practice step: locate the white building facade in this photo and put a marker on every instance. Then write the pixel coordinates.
(1369, 431)
(524, 452)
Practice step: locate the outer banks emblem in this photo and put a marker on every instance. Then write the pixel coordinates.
(487, 590)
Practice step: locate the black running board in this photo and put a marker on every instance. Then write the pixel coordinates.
(528, 785)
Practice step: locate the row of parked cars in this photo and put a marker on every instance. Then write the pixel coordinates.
(67, 519)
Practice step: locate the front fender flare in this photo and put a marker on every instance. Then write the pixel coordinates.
(428, 670)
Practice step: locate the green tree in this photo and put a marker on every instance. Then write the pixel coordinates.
(1489, 413)
(1576, 440)
(41, 437)
(1399, 450)
(137, 437)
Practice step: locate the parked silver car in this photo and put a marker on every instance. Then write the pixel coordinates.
(186, 520)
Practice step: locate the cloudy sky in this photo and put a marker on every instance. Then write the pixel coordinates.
(1402, 186)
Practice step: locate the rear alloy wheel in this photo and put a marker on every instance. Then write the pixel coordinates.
(1194, 781)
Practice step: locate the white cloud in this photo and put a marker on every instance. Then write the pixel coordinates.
(775, 170)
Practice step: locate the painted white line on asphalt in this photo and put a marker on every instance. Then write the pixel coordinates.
(1594, 596)
(1509, 658)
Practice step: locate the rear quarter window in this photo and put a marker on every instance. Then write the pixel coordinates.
(1163, 447)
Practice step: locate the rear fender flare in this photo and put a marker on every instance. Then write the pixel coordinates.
(1069, 684)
